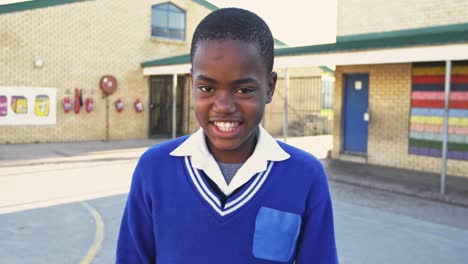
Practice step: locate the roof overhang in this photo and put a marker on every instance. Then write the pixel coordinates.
(378, 56)
(167, 69)
(439, 43)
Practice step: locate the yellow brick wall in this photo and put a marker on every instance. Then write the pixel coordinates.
(79, 43)
(367, 16)
(389, 103)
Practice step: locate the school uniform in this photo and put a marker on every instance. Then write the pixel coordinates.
(276, 209)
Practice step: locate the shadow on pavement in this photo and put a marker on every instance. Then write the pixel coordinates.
(420, 184)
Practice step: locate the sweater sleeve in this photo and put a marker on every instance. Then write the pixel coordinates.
(136, 242)
(317, 239)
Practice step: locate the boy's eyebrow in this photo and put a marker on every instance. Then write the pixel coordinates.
(245, 80)
(206, 79)
(236, 82)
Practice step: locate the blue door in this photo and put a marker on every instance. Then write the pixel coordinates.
(356, 109)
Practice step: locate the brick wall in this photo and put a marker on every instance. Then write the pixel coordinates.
(79, 43)
(389, 103)
(367, 16)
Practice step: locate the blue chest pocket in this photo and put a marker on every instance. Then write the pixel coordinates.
(275, 234)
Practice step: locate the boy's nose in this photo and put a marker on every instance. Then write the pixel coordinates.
(225, 103)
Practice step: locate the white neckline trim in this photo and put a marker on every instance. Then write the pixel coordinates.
(213, 200)
(267, 149)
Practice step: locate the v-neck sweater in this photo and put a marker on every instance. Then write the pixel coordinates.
(281, 215)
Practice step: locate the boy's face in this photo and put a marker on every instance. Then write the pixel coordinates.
(230, 85)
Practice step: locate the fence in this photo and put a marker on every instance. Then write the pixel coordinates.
(310, 102)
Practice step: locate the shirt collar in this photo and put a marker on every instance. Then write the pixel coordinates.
(267, 149)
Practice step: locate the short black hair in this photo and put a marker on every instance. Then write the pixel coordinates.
(236, 24)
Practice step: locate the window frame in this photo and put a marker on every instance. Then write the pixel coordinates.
(167, 13)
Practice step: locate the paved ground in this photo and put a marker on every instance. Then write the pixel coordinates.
(424, 185)
(372, 226)
(29, 187)
(70, 152)
(369, 235)
(62, 203)
(48, 153)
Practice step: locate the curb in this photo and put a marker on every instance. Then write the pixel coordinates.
(456, 199)
(23, 163)
(453, 199)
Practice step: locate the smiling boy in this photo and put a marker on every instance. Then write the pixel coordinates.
(228, 193)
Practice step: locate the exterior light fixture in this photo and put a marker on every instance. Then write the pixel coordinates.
(38, 63)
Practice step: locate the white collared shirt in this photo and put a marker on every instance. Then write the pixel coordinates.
(267, 149)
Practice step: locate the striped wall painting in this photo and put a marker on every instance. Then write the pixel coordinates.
(427, 110)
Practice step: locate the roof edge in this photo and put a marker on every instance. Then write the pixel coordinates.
(279, 43)
(180, 59)
(428, 39)
(404, 32)
(327, 70)
(35, 4)
(185, 58)
(206, 4)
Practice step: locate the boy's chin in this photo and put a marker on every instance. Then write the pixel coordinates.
(225, 145)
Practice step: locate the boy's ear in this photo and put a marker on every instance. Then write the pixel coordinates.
(271, 86)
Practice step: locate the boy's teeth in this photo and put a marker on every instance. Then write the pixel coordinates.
(226, 126)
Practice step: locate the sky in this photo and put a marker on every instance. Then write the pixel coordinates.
(295, 22)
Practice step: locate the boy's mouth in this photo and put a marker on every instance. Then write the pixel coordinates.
(226, 126)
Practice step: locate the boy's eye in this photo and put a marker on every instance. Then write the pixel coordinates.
(206, 89)
(244, 90)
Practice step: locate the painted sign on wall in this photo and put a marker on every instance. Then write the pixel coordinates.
(27, 105)
(427, 110)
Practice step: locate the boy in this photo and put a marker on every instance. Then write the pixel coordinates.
(229, 193)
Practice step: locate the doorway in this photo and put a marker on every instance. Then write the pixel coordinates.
(161, 99)
(356, 114)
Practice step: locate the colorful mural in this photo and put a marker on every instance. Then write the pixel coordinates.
(427, 110)
(3, 105)
(27, 106)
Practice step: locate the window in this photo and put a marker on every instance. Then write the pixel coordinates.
(168, 21)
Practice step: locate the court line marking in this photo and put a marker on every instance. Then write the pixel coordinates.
(98, 237)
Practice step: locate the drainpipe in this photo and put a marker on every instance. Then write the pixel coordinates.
(285, 112)
(174, 102)
(107, 117)
(448, 74)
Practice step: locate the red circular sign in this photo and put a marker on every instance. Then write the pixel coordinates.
(108, 84)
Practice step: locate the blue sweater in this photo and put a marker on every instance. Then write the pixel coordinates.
(281, 215)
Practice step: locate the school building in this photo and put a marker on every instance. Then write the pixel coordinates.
(75, 70)
(389, 92)
(392, 59)
(389, 97)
